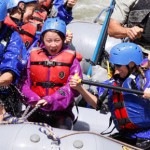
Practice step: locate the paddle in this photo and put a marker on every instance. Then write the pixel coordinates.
(111, 87)
(102, 37)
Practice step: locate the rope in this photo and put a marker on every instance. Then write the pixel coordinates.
(8, 119)
(108, 138)
(26, 111)
(31, 112)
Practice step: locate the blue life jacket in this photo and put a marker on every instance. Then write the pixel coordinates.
(134, 110)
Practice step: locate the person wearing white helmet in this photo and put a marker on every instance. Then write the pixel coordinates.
(20, 13)
(49, 70)
(11, 65)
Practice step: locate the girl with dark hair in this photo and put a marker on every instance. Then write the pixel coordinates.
(48, 73)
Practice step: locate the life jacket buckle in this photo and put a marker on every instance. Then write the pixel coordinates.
(48, 84)
(50, 63)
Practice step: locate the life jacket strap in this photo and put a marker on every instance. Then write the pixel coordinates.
(38, 19)
(22, 31)
(47, 84)
(118, 105)
(123, 121)
(50, 63)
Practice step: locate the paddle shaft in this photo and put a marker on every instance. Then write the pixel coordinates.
(100, 46)
(112, 87)
(102, 42)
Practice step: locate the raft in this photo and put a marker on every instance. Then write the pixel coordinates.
(85, 135)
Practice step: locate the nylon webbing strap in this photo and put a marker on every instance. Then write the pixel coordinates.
(118, 105)
(47, 84)
(38, 19)
(123, 121)
(21, 31)
(50, 63)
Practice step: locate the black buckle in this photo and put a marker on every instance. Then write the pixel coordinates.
(21, 31)
(123, 121)
(118, 105)
(47, 84)
(49, 63)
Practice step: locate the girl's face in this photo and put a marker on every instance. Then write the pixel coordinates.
(53, 42)
(121, 70)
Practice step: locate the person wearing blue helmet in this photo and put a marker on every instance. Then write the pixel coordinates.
(54, 8)
(11, 65)
(130, 112)
(49, 71)
(20, 13)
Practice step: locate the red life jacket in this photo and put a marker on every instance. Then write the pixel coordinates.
(41, 14)
(26, 31)
(48, 75)
(120, 111)
(39, 17)
(47, 4)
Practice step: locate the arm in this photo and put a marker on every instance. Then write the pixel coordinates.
(89, 98)
(11, 65)
(118, 21)
(146, 93)
(63, 97)
(6, 79)
(115, 29)
(64, 11)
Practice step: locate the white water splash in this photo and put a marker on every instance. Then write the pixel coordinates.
(88, 10)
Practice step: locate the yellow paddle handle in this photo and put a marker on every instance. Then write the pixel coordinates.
(76, 76)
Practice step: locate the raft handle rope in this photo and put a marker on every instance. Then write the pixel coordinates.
(47, 130)
(9, 119)
(27, 114)
(101, 12)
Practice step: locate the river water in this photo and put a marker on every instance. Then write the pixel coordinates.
(87, 10)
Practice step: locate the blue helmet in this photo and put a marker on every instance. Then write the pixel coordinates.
(14, 3)
(124, 53)
(3, 10)
(54, 24)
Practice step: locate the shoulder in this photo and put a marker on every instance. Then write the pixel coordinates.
(122, 9)
(16, 35)
(36, 49)
(69, 51)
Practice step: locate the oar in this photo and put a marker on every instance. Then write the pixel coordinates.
(111, 87)
(102, 38)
